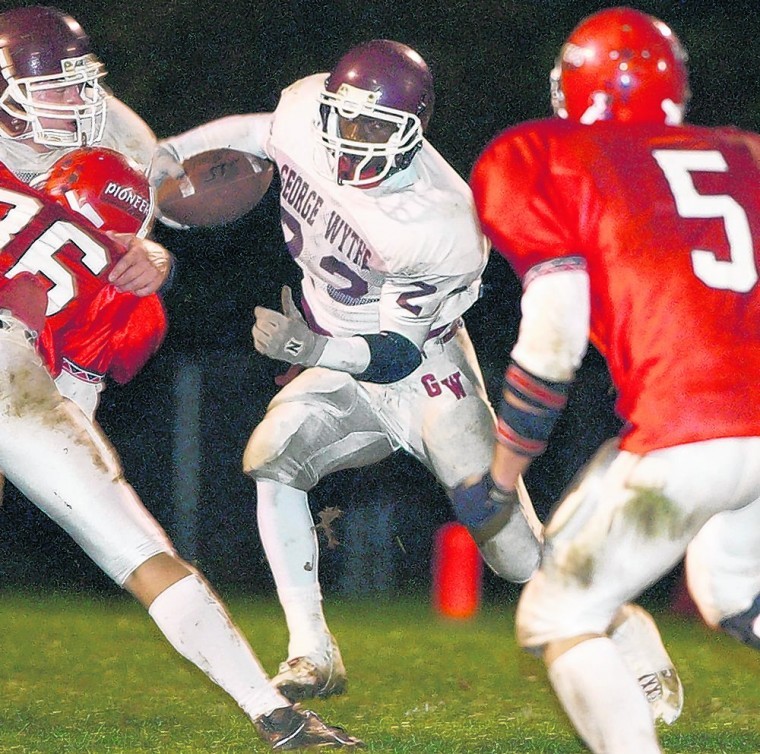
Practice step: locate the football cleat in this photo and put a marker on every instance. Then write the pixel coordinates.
(308, 677)
(664, 693)
(635, 634)
(289, 728)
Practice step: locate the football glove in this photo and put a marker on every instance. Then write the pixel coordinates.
(286, 336)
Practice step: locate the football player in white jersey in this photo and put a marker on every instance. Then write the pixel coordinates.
(52, 100)
(390, 249)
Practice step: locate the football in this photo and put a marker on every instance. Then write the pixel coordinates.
(219, 186)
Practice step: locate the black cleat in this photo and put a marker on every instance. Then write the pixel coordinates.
(289, 728)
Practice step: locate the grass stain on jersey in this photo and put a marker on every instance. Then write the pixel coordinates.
(579, 565)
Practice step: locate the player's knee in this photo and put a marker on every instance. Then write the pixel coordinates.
(305, 419)
(258, 451)
(552, 609)
(514, 552)
(267, 456)
(155, 575)
(744, 626)
(283, 446)
(507, 542)
(269, 450)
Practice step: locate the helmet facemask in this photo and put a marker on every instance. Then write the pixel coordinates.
(362, 162)
(45, 103)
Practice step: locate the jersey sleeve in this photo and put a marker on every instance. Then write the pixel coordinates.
(138, 339)
(128, 133)
(522, 200)
(247, 133)
(533, 205)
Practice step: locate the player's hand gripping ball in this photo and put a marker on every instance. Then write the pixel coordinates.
(210, 188)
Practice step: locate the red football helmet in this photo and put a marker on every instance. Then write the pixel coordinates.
(104, 187)
(50, 88)
(375, 105)
(621, 64)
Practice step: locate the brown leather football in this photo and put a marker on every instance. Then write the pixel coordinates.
(219, 186)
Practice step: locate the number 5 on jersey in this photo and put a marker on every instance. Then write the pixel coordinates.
(739, 272)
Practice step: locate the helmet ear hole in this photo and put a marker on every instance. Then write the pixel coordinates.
(624, 65)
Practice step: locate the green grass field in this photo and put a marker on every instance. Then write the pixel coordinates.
(93, 676)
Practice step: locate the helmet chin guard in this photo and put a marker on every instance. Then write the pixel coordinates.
(362, 163)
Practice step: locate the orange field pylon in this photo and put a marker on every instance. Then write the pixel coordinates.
(457, 570)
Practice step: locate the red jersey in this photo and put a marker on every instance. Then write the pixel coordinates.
(86, 320)
(666, 221)
(116, 334)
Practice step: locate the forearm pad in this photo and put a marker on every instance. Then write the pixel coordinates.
(392, 357)
(529, 409)
(382, 358)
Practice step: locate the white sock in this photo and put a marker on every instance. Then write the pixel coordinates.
(290, 542)
(197, 625)
(309, 635)
(602, 700)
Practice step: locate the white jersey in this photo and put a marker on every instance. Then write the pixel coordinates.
(125, 132)
(405, 256)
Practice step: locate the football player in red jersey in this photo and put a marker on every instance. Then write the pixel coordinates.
(637, 233)
(119, 331)
(52, 100)
(55, 268)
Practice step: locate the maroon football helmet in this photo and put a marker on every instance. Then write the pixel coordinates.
(50, 88)
(376, 103)
(104, 187)
(624, 65)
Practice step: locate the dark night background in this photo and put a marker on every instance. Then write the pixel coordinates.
(179, 63)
